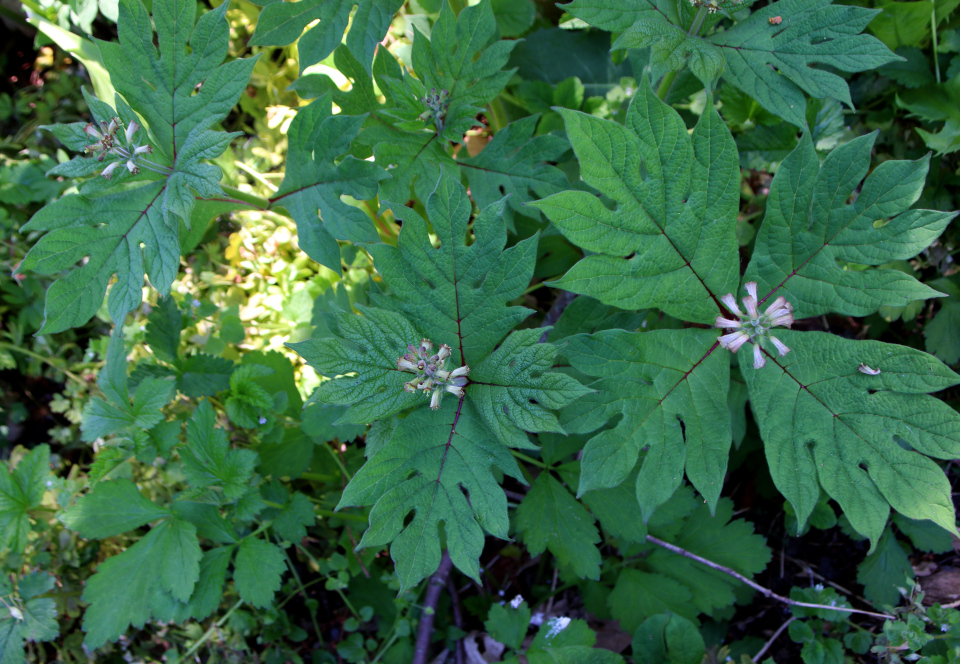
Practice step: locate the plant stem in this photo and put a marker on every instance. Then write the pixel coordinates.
(694, 31)
(302, 589)
(242, 196)
(531, 460)
(776, 635)
(665, 85)
(933, 31)
(41, 358)
(206, 636)
(341, 515)
(497, 115)
(425, 628)
(766, 592)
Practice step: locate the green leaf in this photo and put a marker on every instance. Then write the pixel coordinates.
(514, 17)
(438, 465)
(884, 570)
(257, 571)
(903, 23)
(638, 595)
(110, 509)
(772, 63)
(163, 330)
(314, 181)
(610, 506)
(249, 405)
(672, 49)
(208, 460)
(550, 517)
(669, 389)
(941, 335)
(292, 520)
(21, 490)
(509, 625)
(667, 639)
(464, 58)
(717, 538)
(39, 614)
(925, 535)
(669, 242)
(515, 163)
(207, 519)
(120, 593)
(280, 24)
(809, 228)
(208, 590)
(178, 95)
(865, 438)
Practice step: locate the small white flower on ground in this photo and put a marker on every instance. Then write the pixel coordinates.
(557, 625)
(516, 602)
(536, 619)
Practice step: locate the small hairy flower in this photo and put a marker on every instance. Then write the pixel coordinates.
(108, 171)
(864, 369)
(752, 325)
(431, 376)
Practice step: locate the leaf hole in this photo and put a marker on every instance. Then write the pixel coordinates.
(503, 191)
(466, 493)
(629, 257)
(863, 466)
(534, 402)
(683, 428)
(408, 519)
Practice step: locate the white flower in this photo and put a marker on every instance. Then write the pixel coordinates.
(863, 368)
(435, 400)
(734, 340)
(108, 171)
(262, 420)
(132, 167)
(536, 619)
(131, 130)
(727, 323)
(143, 149)
(557, 625)
(758, 359)
(404, 364)
(731, 303)
(443, 353)
(516, 602)
(782, 348)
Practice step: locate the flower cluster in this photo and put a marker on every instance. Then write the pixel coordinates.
(753, 326)
(713, 6)
(107, 143)
(431, 377)
(437, 105)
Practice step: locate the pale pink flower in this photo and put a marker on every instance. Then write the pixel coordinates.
(782, 348)
(758, 359)
(731, 303)
(734, 340)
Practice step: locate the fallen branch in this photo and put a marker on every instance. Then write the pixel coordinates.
(431, 599)
(766, 592)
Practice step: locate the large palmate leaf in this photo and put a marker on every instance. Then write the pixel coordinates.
(440, 464)
(669, 242)
(669, 392)
(132, 227)
(313, 181)
(827, 421)
(459, 69)
(811, 229)
(772, 60)
(282, 23)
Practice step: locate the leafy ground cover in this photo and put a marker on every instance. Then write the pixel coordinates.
(387, 331)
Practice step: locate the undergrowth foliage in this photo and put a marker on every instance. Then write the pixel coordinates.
(611, 426)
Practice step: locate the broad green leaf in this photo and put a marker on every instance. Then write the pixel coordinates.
(282, 23)
(121, 592)
(637, 595)
(866, 439)
(942, 334)
(925, 535)
(39, 614)
(110, 509)
(672, 49)
(773, 62)
(884, 570)
(208, 460)
(729, 543)
(207, 519)
(249, 405)
(550, 517)
(514, 17)
(208, 590)
(509, 624)
(903, 23)
(810, 228)
(585, 315)
(616, 509)
(178, 93)
(457, 293)
(514, 163)
(668, 639)
(669, 390)
(314, 181)
(257, 571)
(21, 490)
(438, 465)
(669, 241)
(464, 58)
